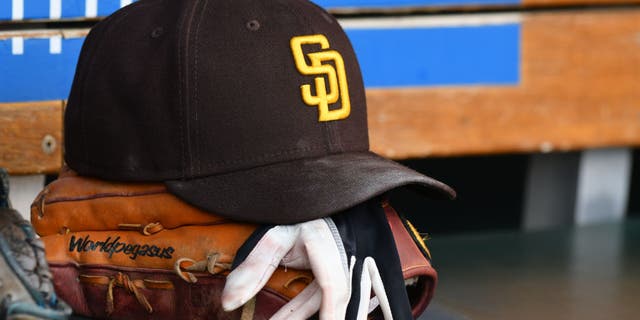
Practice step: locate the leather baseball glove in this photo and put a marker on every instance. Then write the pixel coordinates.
(122, 250)
(26, 290)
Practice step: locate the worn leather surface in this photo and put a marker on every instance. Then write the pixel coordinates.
(74, 203)
(183, 301)
(95, 228)
(414, 263)
(134, 249)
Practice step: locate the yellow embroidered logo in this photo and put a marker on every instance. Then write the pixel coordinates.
(337, 77)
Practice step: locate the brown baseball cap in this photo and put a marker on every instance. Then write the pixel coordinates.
(251, 109)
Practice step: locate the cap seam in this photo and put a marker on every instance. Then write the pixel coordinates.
(327, 127)
(336, 143)
(189, 104)
(79, 166)
(265, 156)
(279, 163)
(196, 99)
(181, 113)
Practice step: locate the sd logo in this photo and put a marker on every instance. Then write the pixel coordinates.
(336, 76)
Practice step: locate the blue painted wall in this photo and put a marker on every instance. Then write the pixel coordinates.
(438, 56)
(395, 57)
(37, 74)
(407, 3)
(39, 9)
(388, 58)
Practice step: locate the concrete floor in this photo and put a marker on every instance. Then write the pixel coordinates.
(589, 272)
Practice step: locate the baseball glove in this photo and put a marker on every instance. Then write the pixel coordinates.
(135, 251)
(26, 290)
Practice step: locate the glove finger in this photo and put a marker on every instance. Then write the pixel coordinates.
(297, 257)
(365, 293)
(378, 286)
(373, 303)
(253, 273)
(354, 293)
(303, 306)
(328, 265)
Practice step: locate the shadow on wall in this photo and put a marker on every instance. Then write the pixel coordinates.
(633, 207)
(490, 194)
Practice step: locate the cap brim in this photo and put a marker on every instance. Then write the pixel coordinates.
(301, 190)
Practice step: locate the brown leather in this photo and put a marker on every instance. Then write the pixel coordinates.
(414, 263)
(165, 297)
(95, 230)
(126, 249)
(181, 301)
(74, 203)
(133, 249)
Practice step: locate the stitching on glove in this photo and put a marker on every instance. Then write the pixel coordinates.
(40, 202)
(147, 230)
(210, 265)
(123, 281)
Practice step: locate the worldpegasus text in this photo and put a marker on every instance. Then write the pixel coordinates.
(84, 244)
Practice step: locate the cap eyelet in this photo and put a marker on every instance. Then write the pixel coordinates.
(253, 25)
(157, 32)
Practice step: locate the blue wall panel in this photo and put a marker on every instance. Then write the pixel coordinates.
(394, 57)
(407, 3)
(75, 8)
(39, 9)
(5, 10)
(36, 74)
(438, 56)
(35, 8)
(106, 8)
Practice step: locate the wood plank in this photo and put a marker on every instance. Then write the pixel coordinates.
(31, 137)
(579, 88)
(45, 33)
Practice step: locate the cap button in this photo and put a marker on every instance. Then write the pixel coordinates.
(253, 25)
(157, 32)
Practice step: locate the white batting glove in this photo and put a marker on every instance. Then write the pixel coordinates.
(314, 245)
(350, 254)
